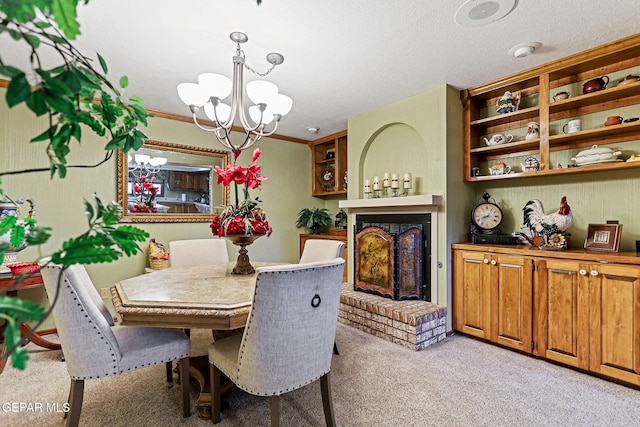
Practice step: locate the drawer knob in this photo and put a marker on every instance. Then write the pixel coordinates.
(594, 273)
(493, 262)
(486, 261)
(583, 272)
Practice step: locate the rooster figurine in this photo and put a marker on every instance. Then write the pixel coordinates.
(551, 227)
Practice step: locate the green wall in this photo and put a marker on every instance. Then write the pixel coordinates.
(60, 201)
(420, 135)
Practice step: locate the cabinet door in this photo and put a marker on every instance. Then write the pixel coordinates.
(563, 300)
(175, 180)
(615, 321)
(471, 299)
(511, 303)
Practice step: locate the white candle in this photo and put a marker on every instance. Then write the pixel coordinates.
(376, 183)
(385, 180)
(367, 186)
(394, 181)
(407, 180)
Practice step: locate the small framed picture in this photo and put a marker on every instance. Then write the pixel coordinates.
(330, 154)
(603, 237)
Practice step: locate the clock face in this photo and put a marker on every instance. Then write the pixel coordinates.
(486, 216)
(327, 175)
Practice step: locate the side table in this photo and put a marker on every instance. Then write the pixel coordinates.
(33, 281)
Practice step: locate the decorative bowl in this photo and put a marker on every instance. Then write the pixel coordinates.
(23, 267)
(596, 155)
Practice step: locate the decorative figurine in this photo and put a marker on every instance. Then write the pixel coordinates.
(508, 103)
(549, 230)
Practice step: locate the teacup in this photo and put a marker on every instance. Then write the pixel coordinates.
(572, 126)
(561, 95)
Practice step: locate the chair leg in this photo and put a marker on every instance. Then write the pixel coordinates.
(335, 348)
(214, 373)
(169, 366)
(184, 387)
(76, 394)
(275, 411)
(327, 403)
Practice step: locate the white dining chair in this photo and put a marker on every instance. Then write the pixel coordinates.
(187, 253)
(322, 250)
(285, 346)
(94, 348)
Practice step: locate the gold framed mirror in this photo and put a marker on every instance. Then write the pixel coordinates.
(165, 182)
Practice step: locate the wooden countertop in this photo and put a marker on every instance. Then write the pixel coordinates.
(582, 254)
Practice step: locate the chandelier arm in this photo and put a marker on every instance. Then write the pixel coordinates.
(262, 133)
(195, 120)
(237, 105)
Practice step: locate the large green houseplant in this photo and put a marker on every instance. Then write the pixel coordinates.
(314, 219)
(67, 95)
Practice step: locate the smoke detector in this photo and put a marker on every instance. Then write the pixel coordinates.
(524, 49)
(313, 129)
(475, 13)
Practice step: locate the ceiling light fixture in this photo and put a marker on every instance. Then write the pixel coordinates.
(211, 89)
(524, 49)
(313, 129)
(475, 13)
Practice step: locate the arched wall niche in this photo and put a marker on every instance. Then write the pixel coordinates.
(393, 148)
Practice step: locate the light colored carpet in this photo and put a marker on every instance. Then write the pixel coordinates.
(458, 382)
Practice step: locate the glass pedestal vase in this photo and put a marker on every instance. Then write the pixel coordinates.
(243, 265)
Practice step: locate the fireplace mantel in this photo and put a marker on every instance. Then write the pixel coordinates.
(408, 203)
(424, 203)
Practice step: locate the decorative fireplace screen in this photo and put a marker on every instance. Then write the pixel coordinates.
(390, 255)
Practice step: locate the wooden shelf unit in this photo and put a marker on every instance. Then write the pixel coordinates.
(536, 87)
(322, 162)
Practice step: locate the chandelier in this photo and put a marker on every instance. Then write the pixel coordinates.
(211, 89)
(143, 165)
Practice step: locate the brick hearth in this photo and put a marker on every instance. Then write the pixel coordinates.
(413, 324)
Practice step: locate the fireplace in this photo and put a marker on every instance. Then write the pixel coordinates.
(401, 255)
(392, 255)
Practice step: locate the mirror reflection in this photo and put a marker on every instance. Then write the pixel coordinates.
(164, 182)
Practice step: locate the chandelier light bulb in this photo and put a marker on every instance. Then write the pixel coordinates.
(281, 104)
(215, 85)
(223, 111)
(254, 113)
(142, 159)
(192, 94)
(261, 92)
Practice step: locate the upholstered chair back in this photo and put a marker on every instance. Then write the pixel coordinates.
(289, 336)
(321, 250)
(185, 253)
(90, 347)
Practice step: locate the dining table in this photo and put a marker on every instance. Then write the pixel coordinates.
(207, 296)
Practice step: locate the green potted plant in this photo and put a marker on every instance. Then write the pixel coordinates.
(314, 218)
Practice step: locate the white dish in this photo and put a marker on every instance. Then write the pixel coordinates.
(598, 162)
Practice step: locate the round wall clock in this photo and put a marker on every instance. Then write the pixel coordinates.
(327, 178)
(486, 216)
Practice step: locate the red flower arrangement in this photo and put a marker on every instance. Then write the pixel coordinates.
(243, 217)
(147, 192)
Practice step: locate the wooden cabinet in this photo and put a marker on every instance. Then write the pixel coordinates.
(337, 235)
(579, 308)
(492, 297)
(537, 87)
(188, 181)
(181, 207)
(329, 165)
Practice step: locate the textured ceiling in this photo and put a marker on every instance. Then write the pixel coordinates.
(342, 58)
